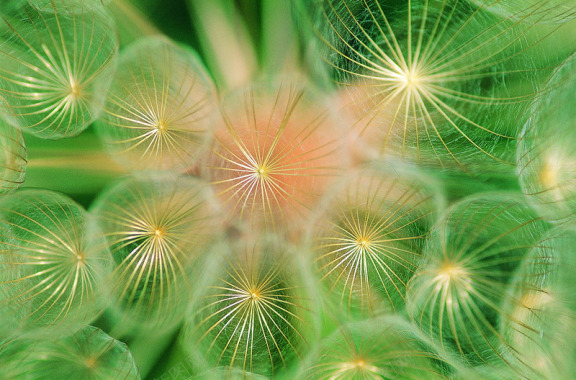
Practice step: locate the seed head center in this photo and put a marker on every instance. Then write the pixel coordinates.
(254, 295)
(161, 126)
(412, 79)
(449, 271)
(90, 362)
(261, 171)
(74, 89)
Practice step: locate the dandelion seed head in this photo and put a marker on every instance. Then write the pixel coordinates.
(155, 227)
(470, 257)
(58, 68)
(417, 78)
(369, 237)
(277, 149)
(158, 114)
(53, 268)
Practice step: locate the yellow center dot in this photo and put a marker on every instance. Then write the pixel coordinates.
(254, 295)
(90, 362)
(80, 256)
(360, 363)
(363, 243)
(449, 271)
(74, 89)
(159, 232)
(161, 126)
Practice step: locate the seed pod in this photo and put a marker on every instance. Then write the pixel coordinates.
(56, 68)
(87, 354)
(158, 111)
(255, 312)
(442, 84)
(51, 270)
(538, 308)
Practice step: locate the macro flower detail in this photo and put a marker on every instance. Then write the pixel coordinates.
(418, 79)
(56, 68)
(51, 268)
(370, 237)
(155, 228)
(254, 314)
(457, 293)
(372, 349)
(158, 112)
(278, 150)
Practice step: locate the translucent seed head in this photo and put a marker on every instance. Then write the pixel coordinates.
(57, 67)
(372, 349)
(546, 152)
(159, 110)
(539, 304)
(156, 228)
(368, 237)
(255, 314)
(429, 82)
(458, 293)
(51, 269)
(87, 354)
(277, 150)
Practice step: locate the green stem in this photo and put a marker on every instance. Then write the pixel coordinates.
(225, 40)
(279, 42)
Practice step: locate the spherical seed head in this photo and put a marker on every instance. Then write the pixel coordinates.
(253, 315)
(426, 78)
(371, 349)
(53, 268)
(159, 111)
(470, 257)
(57, 68)
(277, 149)
(156, 226)
(368, 237)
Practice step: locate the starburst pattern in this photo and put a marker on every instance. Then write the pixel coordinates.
(373, 236)
(422, 78)
(155, 228)
(253, 316)
(456, 296)
(56, 68)
(50, 269)
(372, 349)
(278, 151)
(158, 113)
(13, 157)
